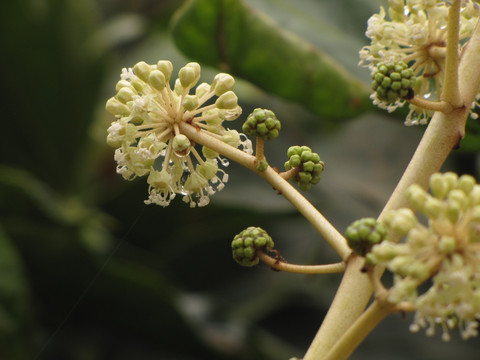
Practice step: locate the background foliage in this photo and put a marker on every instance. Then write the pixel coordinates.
(88, 272)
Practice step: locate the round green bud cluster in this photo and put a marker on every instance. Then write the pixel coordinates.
(246, 244)
(392, 81)
(309, 164)
(362, 234)
(262, 123)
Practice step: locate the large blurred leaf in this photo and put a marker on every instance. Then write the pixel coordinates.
(230, 35)
(14, 302)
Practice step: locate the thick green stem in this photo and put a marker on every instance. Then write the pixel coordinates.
(450, 91)
(322, 225)
(359, 331)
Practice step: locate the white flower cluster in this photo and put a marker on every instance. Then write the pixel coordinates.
(444, 254)
(415, 33)
(147, 136)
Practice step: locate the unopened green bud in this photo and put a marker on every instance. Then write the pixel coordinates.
(125, 94)
(202, 89)
(157, 79)
(115, 107)
(401, 265)
(190, 102)
(222, 83)
(417, 197)
(401, 221)
(227, 100)
(466, 183)
(246, 244)
(166, 68)
(438, 186)
(459, 197)
(362, 234)
(187, 77)
(181, 144)
(453, 211)
(142, 70)
(451, 180)
(447, 244)
(123, 83)
(383, 252)
(309, 164)
(433, 207)
(392, 81)
(262, 123)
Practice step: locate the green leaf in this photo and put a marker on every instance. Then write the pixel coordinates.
(230, 35)
(14, 302)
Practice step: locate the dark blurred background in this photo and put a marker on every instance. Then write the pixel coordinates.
(89, 272)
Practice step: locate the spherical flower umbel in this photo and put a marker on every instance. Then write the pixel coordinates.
(147, 135)
(362, 234)
(415, 32)
(262, 123)
(308, 165)
(446, 252)
(393, 81)
(246, 244)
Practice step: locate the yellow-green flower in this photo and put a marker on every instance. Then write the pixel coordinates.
(147, 136)
(415, 33)
(444, 253)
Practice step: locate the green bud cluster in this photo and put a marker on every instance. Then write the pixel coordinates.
(362, 234)
(262, 123)
(392, 81)
(309, 164)
(246, 244)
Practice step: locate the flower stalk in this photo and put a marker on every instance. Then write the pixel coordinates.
(281, 265)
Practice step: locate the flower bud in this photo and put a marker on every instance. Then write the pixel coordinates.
(438, 186)
(262, 123)
(222, 83)
(362, 234)
(181, 145)
(417, 197)
(466, 183)
(202, 89)
(142, 70)
(190, 102)
(447, 245)
(115, 107)
(157, 80)
(166, 68)
(246, 244)
(187, 77)
(401, 221)
(227, 100)
(125, 94)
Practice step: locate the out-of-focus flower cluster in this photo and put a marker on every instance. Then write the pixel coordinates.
(444, 254)
(415, 33)
(147, 135)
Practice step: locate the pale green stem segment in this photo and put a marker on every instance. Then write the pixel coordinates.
(318, 221)
(281, 265)
(442, 106)
(358, 331)
(443, 134)
(450, 91)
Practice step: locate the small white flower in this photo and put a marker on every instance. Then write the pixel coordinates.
(147, 135)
